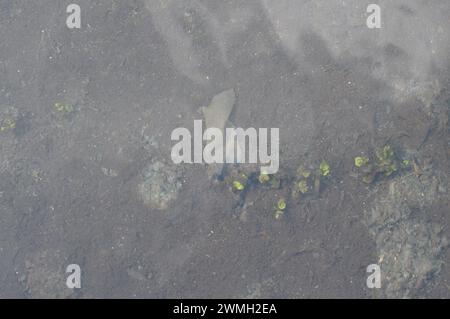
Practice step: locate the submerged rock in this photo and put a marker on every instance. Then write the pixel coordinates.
(409, 246)
(160, 186)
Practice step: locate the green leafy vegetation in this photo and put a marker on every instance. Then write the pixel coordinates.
(264, 178)
(302, 186)
(7, 124)
(386, 161)
(324, 169)
(240, 182)
(384, 164)
(309, 181)
(64, 108)
(281, 205)
(361, 161)
(238, 186)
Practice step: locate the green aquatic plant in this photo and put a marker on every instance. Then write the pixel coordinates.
(389, 170)
(301, 182)
(7, 124)
(281, 205)
(366, 169)
(406, 164)
(385, 154)
(361, 161)
(264, 178)
(303, 173)
(386, 163)
(239, 181)
(324, 169)
(238, 186)
(63, 107)
(309, 181)
(269, 181)
(280, 208)
(302, 186)
(275, 182)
